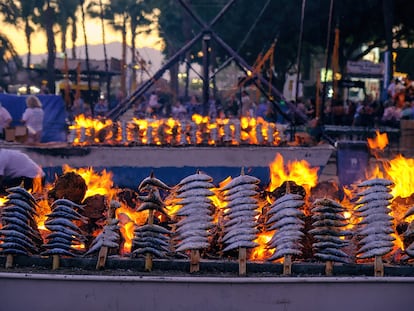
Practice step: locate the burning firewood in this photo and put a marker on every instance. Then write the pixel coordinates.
(19, 235)
(328, 223)
(409, 233)
(70, 186)
(240, 216)
(376, 226)
(65, 237)
(151, 240)
(109, 237)
(193, 193)
(285, 217)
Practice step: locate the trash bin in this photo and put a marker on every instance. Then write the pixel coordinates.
(352, 160)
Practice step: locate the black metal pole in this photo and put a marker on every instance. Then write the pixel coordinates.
(199, 20)
(117, 111)
(248, 69)
(328, 44)
(87, 58)
(299, 54)
(124, 106)
(206, 65)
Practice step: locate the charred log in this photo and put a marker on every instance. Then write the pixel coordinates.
(70, 186)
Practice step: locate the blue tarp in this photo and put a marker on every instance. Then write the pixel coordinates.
(54, 123)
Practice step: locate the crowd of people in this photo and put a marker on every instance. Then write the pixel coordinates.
(232, 106)
(369, 112)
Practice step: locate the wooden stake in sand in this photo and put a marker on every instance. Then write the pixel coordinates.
(9, 261)
(103, 252)
(287, 265)
(329, 268)
(242, 261)
(242, 250)
(287, 259)
(148, 256)
(55, 262)
(378, 266)
(194, 260)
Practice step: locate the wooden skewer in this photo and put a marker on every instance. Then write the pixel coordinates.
(194, 260)
(329, 268)
(378, 266)
(103, 252)
(287, 265)
(242, 261)
(9, 261)
(287, 259)
(55, 262)
(148, 257)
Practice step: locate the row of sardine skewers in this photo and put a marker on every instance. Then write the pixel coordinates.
(194, 221)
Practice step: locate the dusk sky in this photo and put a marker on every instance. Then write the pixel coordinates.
(94, 36)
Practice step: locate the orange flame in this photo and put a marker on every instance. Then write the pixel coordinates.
(199, 130)
(91, 127)
(298, 171)
(261, 251)
(401, 172)
(96, 183)
(380, 141)
(127, 220)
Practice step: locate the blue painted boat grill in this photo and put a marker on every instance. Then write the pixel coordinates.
(130, 165)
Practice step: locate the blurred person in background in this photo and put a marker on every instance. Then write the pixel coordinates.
(101, 107)
(178, 110)
(5, 120)
(17, 168)
(33, 119)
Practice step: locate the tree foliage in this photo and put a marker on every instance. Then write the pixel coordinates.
(361, 25)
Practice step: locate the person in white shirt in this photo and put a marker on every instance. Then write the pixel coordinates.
(33, 119)
(5, 120)
(18, 168)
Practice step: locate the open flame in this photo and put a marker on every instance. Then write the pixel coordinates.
(199, 130)
(380, 141)
(401, 172)
(87, 127)
(399, 169)
(298, 171)
(96, 183)
(261, 251)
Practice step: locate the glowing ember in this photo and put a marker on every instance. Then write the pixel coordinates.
(298, 171)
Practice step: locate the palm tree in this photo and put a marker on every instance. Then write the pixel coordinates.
(89, 97)
(117, 13)
(139, 12)
(47, 19)
(121, 15)
(91, 9)
(67, 16)
(20, 12)
(9, 61)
